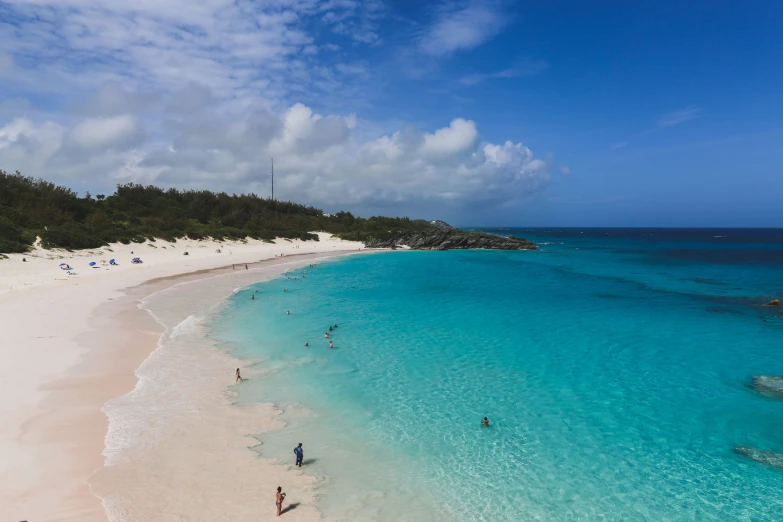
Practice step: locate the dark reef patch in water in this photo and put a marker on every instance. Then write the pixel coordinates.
(768, 458)
(768, 384)
(704, 281)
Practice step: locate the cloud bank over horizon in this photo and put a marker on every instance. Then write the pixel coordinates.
(318, 159)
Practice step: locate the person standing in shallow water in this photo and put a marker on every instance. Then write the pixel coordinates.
(239, 377)
(279, 499)
(485, 422)
(299, 452)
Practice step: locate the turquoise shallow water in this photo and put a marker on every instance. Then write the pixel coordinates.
(613, 366)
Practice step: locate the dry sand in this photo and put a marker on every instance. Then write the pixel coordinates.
(71, 343)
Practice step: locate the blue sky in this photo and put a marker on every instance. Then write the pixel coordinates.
(566, 113)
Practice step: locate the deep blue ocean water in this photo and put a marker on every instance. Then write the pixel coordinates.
(613, 366)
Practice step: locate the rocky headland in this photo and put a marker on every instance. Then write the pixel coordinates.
(445, 237)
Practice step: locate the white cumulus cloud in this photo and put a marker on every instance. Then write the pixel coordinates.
(458, 137)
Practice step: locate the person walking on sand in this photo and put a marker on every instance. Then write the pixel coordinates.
(279, 499)
(299, 452)
(239, 377)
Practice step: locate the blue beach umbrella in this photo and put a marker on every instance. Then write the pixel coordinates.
(63, 264)
(111, 261)
(92, 263)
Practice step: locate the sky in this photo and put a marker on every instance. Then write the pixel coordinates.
(480, 113)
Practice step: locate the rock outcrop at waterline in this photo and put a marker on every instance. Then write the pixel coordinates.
(768, 384)
(442, 238)
(769, 458)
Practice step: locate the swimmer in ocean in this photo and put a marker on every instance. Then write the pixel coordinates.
(485, 422)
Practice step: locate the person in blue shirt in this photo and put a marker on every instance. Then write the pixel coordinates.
(299, 452)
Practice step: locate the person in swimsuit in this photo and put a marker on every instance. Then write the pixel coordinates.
(279, 499)
(326, 335)
(485, 422)
(330, 328)
(307, 345)
(253, 297)
(239, 377)
(299, 452)
(331, 345)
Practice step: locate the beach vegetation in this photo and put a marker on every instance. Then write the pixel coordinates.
(32, 208)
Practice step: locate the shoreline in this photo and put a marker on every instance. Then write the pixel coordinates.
(63, 362)
(220, 437)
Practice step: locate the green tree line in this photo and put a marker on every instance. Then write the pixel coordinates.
(31, 208)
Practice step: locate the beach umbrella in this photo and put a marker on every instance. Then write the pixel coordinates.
(92, 263)
(111, 261)
(63, 264)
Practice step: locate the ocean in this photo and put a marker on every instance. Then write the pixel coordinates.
(613, 365)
